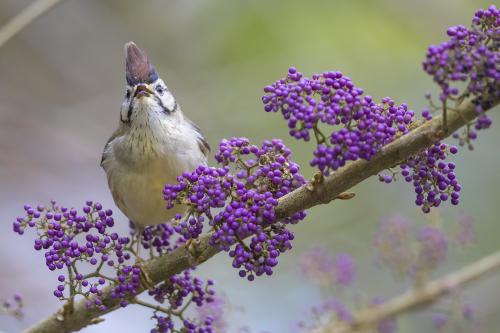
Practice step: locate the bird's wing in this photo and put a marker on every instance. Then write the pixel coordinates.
(117, 133)
(202, 142)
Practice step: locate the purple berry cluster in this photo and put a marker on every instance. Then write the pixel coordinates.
(391, 241)
(386, 325)
(204, 189)
(469, 133)
(318, 265)
(13, 306)
(470, 56)
(464, 234)
(433, 244)
(434, 180)
(167, 324)
(328, 98)
(178, 287)
(179, 291)
(126, 285)
(214, 313)
(158, 239)
(443, 320)
(81, 245)
(238, 199)
(75, 241)
(323, 313)
(410, 251)
(365, 127)
(332, 99)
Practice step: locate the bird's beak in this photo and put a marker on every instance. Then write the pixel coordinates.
(138, 68)
(142, 90)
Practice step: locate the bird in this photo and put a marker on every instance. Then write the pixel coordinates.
(153, 145)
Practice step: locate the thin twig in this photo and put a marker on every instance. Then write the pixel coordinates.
(152, 306)
(342, 180)
(180, 312)
(425, 294)
(320, 137)
(24, 18)
(445, 116)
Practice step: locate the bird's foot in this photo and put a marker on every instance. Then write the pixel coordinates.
(144, 279)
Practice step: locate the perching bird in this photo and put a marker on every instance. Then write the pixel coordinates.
(154, 143)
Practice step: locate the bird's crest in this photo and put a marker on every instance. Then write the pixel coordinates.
(138, 68)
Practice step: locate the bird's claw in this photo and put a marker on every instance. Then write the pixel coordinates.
(144, 279)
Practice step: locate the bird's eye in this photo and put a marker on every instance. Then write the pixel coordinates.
(159, 89)
(127, 94)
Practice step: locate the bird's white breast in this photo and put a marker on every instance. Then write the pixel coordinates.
(141, 161)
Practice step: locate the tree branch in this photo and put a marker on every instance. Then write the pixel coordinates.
(24, 18)
(428, 293)
(302, 198)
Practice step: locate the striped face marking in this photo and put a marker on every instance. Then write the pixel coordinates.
(147, 96)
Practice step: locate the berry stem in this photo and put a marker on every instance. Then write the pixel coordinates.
(152, 306)
(320, 137)
(445, 116)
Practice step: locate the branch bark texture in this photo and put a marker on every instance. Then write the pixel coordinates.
(24, 18)
(428, 293)
(302, 198)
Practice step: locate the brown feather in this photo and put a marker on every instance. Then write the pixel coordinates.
(138, 68)
(202, 142)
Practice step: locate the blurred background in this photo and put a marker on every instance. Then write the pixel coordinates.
(62, 81)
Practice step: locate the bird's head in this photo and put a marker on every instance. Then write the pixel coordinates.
(146, 94)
